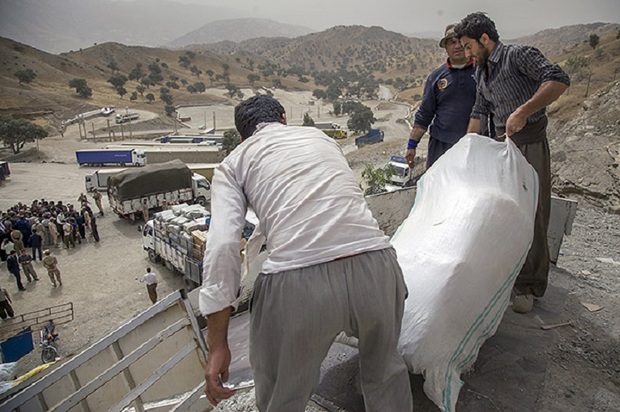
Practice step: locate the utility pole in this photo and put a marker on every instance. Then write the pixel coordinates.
(213, 122)
(93, 127)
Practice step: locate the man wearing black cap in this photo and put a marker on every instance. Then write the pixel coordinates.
(449, 95)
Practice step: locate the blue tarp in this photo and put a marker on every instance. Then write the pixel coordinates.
(17, 346)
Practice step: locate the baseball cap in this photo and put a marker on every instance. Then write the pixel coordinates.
(448, 34)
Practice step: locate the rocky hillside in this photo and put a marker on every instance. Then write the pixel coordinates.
(237, 30)
(355, 48)
(554, 41)
(586, 151)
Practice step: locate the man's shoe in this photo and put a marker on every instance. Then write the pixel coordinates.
(523, 303)
(22, 289)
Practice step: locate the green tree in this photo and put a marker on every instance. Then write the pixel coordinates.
(308, 121)
(319, 94)
(118, 81)
(121, 91)
(25, 76)
(210, 73)
(112, 66)
(361, 119)
(337, 108)
(230, 140)
(253, 78)
(134, 96)
(166, 98)
(200, 87)
(375, 179)
(195, 71)
(594, 40)
(81, 87)
(170, 109)
(15, 133)
(150, 97)
(140, 89)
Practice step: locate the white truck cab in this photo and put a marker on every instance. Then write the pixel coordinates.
(201, 188)
(401, 173)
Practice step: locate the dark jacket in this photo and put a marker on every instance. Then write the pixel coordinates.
(12, 264)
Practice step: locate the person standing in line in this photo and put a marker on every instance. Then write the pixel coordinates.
(329, 267)
(26, 261)
(97, 197)
(151, 284)
(53, 231)
(7, 246)
(449, 95)
(93, 225)
(6, 309)
(18, 240)
(36, 244)
(67, 229)
(12, 264)
(515, 84)
(51, 264)
(145, 210)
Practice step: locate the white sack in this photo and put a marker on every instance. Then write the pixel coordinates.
(461, 249)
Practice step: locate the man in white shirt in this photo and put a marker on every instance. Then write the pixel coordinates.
(329, 267)
(151, 284)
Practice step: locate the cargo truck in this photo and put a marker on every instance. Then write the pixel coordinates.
(102, 157)
(177, 238)
(193, 154)
(5, 171)
(156, 186)
(373, 136)
(122, 118)
(99, 179)
(401, 174)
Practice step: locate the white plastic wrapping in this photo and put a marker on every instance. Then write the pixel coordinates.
(461, 249)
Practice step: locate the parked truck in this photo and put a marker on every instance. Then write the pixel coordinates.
(102, 157)
(156, 185)
(123, 118)
(177, 238)
(400, 173)
(5, 171)
(99, 179)
(373, 136)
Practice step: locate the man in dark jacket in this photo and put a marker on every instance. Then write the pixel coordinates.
(12, 265)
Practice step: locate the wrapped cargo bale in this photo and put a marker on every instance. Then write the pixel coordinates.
(461, 249)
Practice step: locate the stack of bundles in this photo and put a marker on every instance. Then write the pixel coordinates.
(173, 234)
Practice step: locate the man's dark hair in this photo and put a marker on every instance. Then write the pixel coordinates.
(475, 25)
(255, 110)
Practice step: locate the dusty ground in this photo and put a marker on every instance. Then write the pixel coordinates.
(576, 369)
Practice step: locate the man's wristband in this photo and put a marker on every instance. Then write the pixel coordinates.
(412, 144)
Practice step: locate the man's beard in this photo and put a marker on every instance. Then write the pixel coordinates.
(482, 60)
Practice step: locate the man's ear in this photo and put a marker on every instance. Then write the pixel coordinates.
(484, 39)
(283, 118)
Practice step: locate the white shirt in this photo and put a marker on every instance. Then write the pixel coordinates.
(310, 207)
(149, 278)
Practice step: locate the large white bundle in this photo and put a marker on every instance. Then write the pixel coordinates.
(461, 249)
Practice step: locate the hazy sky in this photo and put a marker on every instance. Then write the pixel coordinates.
(512, 17)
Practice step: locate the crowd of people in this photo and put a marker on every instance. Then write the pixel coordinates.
(26, 230)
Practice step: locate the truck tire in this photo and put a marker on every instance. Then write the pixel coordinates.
(153, 256)
(201, 201)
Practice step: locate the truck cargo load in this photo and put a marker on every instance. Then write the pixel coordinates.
(156, 186)
(102, 157)
(151, 179)
(373, 136)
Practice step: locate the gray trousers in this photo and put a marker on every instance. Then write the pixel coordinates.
(296, 314)
(533, 144)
